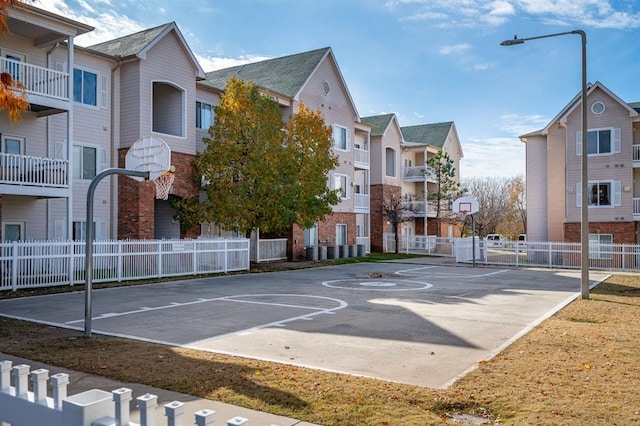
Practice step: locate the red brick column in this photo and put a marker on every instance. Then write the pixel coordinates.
(623, 232)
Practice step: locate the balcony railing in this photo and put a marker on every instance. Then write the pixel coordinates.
(636, 156)
(361, 201)
(37, 80)
(26, 170)
(636, 208)
(361, 155)
(418, 173)
(418, 209)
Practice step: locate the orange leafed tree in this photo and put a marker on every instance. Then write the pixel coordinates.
(13, 97)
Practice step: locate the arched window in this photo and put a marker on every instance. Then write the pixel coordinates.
(390, 156)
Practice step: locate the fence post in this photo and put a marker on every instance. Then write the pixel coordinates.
(195, 257)
(14, 266)
(623, 255)
(121, 398)
(237, 421)
(20, 383)
(5, 376)
(71, 270)
(39, 385)
(204, 417)
(517, 253)
(59, 383)
(159, 243)
(174, 412)
(226, 257)
(550, 253)
(120, 261)
(147, 404)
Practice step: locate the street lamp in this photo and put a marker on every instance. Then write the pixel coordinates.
(584, 221)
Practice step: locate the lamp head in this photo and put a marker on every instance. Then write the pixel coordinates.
(513, 41)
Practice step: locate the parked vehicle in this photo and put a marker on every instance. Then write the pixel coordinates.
(495, 240)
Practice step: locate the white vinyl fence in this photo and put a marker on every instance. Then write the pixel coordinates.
(419, 244)
(95, 407)
(50, 263)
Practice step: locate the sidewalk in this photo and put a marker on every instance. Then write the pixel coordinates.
(80, 382)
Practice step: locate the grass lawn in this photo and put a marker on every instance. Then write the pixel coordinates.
(581, 366)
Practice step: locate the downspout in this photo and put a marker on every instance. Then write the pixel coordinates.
(113, 205)
(70, 61)
(48, 141)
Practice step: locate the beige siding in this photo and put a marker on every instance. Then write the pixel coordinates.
(556, 192)
(392, 139)
(536, 189)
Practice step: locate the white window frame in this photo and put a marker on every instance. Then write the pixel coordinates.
(100, 89)
(338, 142)
(11, 162)
(20, 225)
(600, 249)
(615, 194)
(386, 162)
(342, 235)
(199, 117)
(311, 236)
(338, 180)
(78, 159)
(16, 56)
(615, 141)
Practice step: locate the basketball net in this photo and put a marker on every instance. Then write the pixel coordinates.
(163, 185)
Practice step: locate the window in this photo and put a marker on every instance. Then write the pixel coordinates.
(80, 230)
(341, 234)
(311, 236)
(85, 87)
(600, 194)
(340, 137)
(390, 155)
(341, 183)
(86, 163)
(598, 107)
(12, 66)
(600, 141)
(600, 246)
(13, 231)
(204, 115)
(12, 147)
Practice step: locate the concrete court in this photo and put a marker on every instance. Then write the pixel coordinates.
(411, 323)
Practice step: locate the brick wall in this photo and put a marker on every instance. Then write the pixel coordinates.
(377, 194)
(136, 211)
(623, 232)
(326, 231)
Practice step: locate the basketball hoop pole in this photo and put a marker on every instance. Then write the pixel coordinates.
(88, 261)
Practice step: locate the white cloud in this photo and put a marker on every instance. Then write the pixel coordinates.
(212, 63)
(482, 67)
(516, 125)
(454, 49)
(493, 156)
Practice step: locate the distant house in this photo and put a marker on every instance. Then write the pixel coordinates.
(554, 171)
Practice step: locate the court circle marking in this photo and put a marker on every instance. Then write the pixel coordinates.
(377, 285)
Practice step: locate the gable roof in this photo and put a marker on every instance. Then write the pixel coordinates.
(138, 44)
(286, 75)
(378, 123)
(635, 105)
(427, 134)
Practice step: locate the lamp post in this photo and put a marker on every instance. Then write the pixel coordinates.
(584, 225)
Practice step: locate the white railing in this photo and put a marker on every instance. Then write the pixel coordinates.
(37, 80)
(361, 155)
(419, 244)
(636, 206)
(610, 257)
(364, 241)
(270, 250)
(636, 152)
(417, 173)
(53, 263)
(418, 209)
(33, 171)
(361, 201)
(21, 407)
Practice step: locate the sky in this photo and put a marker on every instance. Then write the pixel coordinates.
(427, 61)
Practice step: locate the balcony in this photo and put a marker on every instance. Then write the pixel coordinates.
(361, 158)
(418, 174)
(418, 209)
(361, 203)
(47, 89)
(33, 176)
(636, 156)
(636, 209)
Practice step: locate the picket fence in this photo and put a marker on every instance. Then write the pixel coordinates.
(50, 263)
(95, 407)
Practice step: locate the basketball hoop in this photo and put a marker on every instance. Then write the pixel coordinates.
(163, 185)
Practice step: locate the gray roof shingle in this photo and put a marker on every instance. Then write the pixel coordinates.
(285, 75)
(427, 134)
(130, 45)
(379, 123)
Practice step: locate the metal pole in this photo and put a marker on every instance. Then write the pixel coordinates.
(584, 219)
(473, 239)
(88, 260)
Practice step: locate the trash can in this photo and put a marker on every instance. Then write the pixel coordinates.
(344, 251)
(332, 252)
(322, 252)
(352, 250)
(312, 253)
(360, 250)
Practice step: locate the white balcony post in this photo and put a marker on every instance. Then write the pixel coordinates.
(20, 380)
(59, 384)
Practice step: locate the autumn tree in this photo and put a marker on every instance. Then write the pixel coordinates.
(396, 210)
(263, 173)
(517, 200)
(13, 97)
(447, 188)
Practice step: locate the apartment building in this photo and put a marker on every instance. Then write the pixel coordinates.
(554, 171)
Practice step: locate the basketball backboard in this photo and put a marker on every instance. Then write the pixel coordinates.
(148, 154)
(465, 205)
